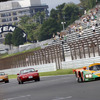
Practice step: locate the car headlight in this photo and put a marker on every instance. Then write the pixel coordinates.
(88, 75)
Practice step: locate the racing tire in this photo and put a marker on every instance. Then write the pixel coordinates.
(79, 80)
(37, 79)
(7, 81)
(20, 82)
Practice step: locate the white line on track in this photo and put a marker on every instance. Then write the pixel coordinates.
(63, 98)
(17, 97)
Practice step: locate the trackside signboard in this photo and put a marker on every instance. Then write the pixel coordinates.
(9, 28)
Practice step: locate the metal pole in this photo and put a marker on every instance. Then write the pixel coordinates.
(63, 25)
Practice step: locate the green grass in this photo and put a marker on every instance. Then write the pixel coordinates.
(9, 55)
(12, 76)
(58, 72)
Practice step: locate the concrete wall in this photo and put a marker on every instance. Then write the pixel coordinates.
(52, 66)
(80, 62)
(40, 68)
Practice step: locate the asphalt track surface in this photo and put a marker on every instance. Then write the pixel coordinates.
(62, 87)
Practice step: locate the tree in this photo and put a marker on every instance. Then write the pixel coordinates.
(8, 39)
(31, 25)
(36, 32)
(39, 17)
(37, 28)
(33, 31)
(57, 13)
(17, 37)
(71, 12)
(23, 21)
(54, 14)
(48, 28)
(88, 4)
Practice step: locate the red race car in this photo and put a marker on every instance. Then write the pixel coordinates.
(28, 75)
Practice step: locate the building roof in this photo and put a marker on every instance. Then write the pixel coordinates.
(18, 4)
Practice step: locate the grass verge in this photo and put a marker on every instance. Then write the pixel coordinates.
(9, 55)
(58, 72)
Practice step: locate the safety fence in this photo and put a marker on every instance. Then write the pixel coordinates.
(85, 47)
(47, 55)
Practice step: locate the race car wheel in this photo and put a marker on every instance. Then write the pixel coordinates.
(37, 79)
(79, 79)
(20, 82)
(7, 81)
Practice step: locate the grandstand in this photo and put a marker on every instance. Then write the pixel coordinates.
(73, 37)
(87, 33)
(65, 53)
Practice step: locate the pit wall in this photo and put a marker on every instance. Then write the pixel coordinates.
(80, 62)
(52, 66)
(41, 68)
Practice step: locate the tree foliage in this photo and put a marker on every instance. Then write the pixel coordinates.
(88, 4)
(71, 12)
(40, 28)
(48, 28)
(63, 13)
(32, 25)
(17, 37)
(8, 39)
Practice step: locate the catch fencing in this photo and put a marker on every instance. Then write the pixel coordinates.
(47, 55)
(85, 47)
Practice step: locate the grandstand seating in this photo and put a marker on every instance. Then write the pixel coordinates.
(87, 33)
(70, 37)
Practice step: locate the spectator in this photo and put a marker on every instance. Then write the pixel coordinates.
(84, 12)
(54, 38)
(65, 38)
(95, 22)
(93, 28)
(81, 28)
(58, 33)
(92, 17)
(69, 29)
(88, 24)
(76, 29)
(80, 33)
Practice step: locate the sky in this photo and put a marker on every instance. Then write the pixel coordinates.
(54, 3)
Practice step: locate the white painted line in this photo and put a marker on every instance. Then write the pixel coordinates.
(63, 98)
(17, 97)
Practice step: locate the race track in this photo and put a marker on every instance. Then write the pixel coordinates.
(62, 87)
